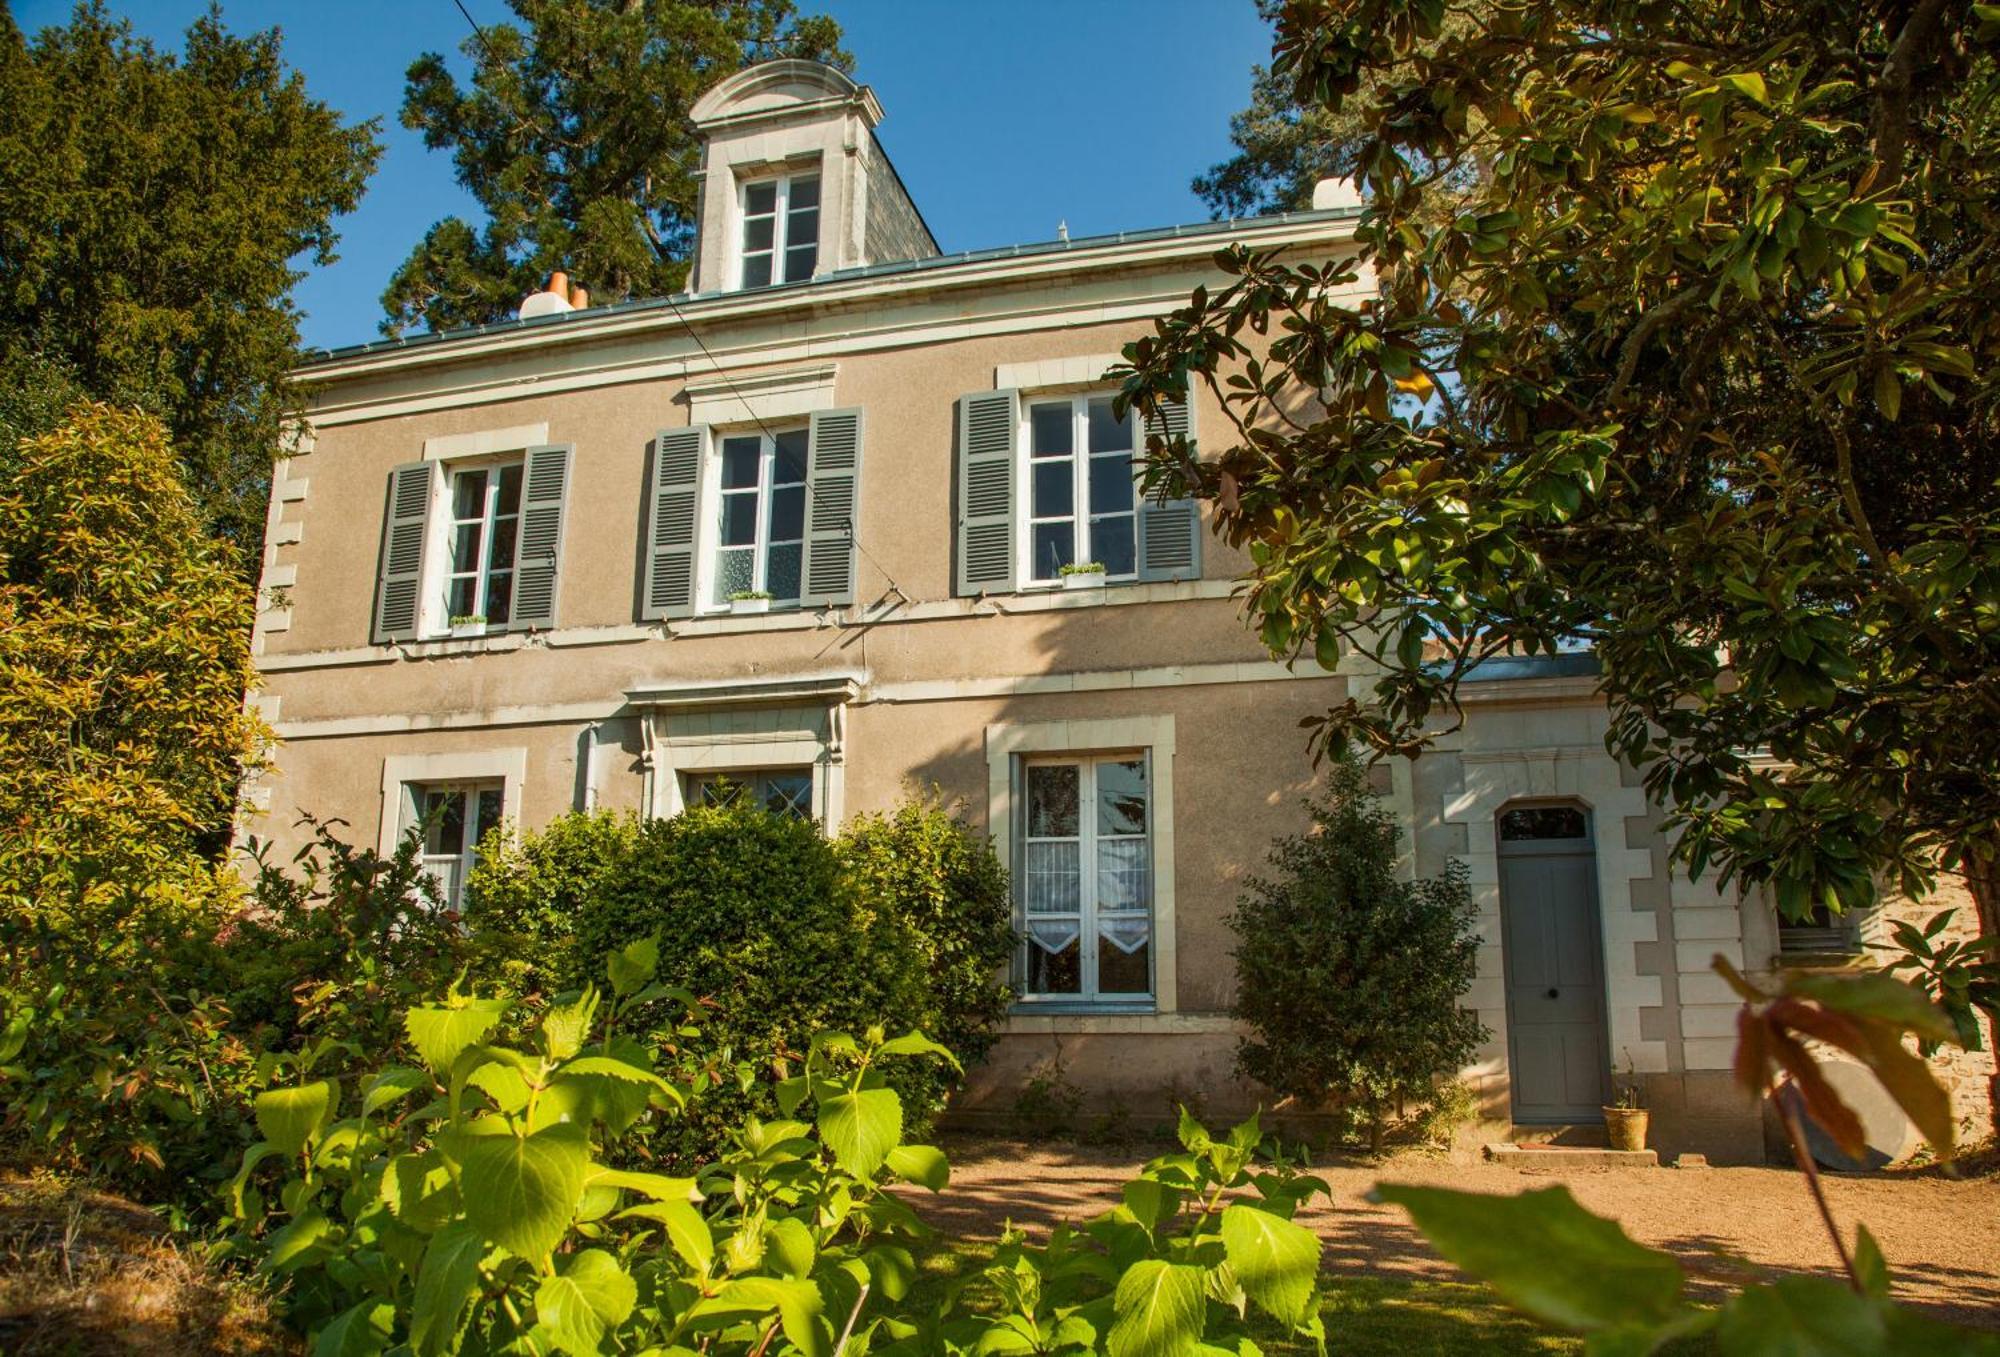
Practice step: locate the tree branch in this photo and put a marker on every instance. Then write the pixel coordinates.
(1892, 92)
(1635, 342)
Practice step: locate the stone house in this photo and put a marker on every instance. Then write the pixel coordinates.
(806, 527)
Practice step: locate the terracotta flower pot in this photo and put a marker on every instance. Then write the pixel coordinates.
(1625, 1127)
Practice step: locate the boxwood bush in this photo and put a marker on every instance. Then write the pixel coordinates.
(903, 921)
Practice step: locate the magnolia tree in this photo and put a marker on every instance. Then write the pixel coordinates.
(1665, 332)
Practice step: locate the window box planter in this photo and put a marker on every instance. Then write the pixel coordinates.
(749, 606)
(467, 627)
(1092, 578)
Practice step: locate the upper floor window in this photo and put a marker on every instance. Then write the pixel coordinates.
(1086, 878)
(485, 521)
(1080, 490)
(760, 537)
(780, 229)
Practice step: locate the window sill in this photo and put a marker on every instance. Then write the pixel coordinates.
(725, 623)
(1115, 1007)
(463, 645)
(1124, 1020)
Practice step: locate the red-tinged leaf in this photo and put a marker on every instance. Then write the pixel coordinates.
(1908, 1079)
(1791, 1015)
(1753, 1052)
(1835, 1117)
(1751, 994)
(1874, 994)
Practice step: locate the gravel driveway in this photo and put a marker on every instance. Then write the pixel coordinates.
(1941, 1237)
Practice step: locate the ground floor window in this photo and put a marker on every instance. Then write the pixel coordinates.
(1085, 855)
(782, 791)
(453, 817)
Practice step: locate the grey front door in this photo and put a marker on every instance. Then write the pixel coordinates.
(1552, 957)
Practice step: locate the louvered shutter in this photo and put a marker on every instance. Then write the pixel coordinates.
(671, 513)
(538, 540)
(1170, 530)
(833, 477)
(987, 421)
(399, 580)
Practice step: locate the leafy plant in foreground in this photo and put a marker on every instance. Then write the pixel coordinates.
(1202, 1236)
(467, 1206)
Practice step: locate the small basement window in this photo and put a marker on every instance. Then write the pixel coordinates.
(1821, 933)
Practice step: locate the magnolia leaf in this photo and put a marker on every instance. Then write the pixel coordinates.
(687, 1230)
(924, 1165)
(1276, 1261)
(1872, 994)
(361, 1331)
(1546, 1255)
(445, 1282)
(1160, 1311)
(521, 1192)
(588, 1298)
(439, 1034)
(861, 1126)
(288, 1117)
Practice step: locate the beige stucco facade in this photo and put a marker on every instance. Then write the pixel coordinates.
(908, 680)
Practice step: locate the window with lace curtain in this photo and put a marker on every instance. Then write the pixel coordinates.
(1085, 861)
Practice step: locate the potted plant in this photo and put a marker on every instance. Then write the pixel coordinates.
(745, 601)
(1625, 1117)
(1083, 575)
(468, 624)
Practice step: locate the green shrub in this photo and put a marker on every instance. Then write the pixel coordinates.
(1348, 977)
(524, 895)
(930, 870)
(136, 1011)
(752, 913)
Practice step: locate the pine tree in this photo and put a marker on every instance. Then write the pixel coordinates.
(574, 137)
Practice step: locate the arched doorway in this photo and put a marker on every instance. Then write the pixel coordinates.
(1552, 953)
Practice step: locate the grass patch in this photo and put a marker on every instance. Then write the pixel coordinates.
(86, 1274)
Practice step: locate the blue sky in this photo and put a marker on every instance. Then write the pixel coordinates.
(1003, 117)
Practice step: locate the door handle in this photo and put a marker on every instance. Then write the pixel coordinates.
(1554, 993)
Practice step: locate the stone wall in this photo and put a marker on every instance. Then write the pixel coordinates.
(894, 229)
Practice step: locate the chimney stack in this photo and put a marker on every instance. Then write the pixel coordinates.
(553, 300)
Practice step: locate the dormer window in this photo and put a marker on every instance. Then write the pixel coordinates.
(780, 229)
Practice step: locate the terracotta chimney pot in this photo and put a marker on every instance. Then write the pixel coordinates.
(559, 283)
(579, 297)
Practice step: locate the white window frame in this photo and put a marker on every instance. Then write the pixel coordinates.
(781, 227)
(449, 454)
(1009, 747)
(445, 512)
(449, 870)
(709, 531)
(1089, 907)
(1080, 459)
(402, 773)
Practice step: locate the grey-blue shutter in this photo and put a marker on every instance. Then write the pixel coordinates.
(538, 538)
(987, 421)
(671, 527)
(399, 580)
(833, 477)
(1170, 530)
